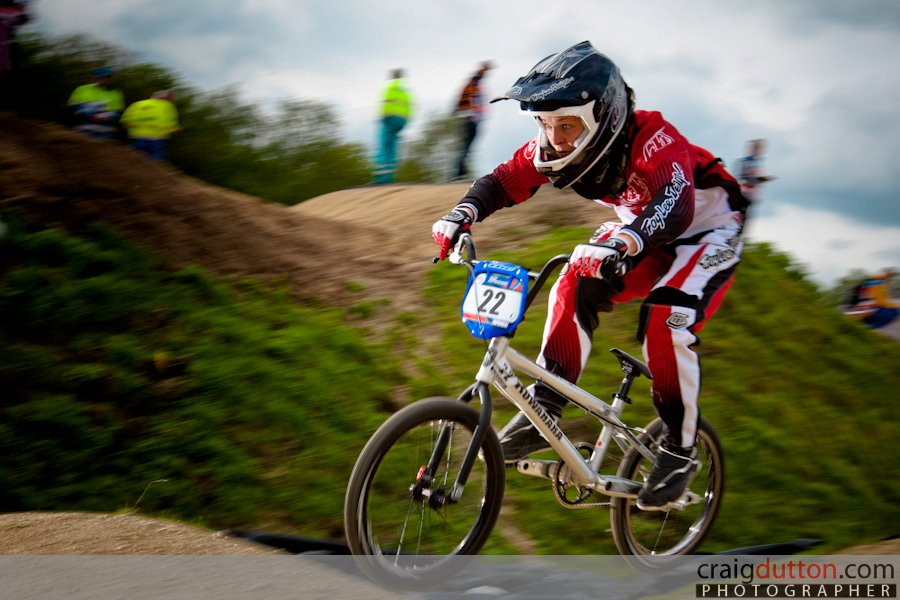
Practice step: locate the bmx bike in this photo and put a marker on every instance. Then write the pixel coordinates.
(429, 483)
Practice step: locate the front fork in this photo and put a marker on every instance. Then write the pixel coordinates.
(437, 500)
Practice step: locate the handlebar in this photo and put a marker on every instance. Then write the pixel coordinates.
(467, 244)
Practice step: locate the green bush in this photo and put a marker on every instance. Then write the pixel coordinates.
(238, 406)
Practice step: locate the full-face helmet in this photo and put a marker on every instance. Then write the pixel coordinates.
(579, 82)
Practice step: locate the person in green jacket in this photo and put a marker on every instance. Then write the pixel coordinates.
(396, 104)
(97, 106)
(151, 122)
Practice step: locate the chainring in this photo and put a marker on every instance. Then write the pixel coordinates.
(561, 489)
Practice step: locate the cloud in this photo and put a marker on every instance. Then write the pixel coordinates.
(811, 76)
(827, 245)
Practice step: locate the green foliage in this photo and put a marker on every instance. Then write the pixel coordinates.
(289, 155)
(237, 405)
(431, 156)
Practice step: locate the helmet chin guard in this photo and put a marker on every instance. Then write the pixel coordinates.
(580, 82)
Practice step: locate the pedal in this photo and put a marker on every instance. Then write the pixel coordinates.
(687, 499)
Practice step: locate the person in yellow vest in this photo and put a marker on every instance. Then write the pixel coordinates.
(396, 105)
(151, 122)
(97, 106)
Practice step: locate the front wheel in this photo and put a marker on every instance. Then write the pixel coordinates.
(677, 531)
(399, 518)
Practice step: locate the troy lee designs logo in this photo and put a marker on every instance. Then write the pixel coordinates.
(636, 192)
(722, 255)
(664, 208)
(678, 320)
(719, 258)
(538, 96)
(656, 143)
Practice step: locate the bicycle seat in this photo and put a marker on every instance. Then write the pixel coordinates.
(634, 364)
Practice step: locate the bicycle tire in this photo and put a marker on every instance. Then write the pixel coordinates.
(675, 532)
(381, 483)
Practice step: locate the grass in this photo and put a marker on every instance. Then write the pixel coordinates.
(126, 386)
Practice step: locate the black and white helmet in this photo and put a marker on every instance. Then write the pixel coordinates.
(579, 82)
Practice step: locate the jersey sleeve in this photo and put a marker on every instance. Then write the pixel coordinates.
(510, 183)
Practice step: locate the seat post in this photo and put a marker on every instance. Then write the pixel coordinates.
(625, 386)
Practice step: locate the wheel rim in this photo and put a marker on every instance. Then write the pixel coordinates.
(677, 531)
(408, 533)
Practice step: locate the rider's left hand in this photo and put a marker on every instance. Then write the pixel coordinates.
(597, 259)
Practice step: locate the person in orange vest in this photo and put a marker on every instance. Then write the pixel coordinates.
(470, 108)
(151, 122)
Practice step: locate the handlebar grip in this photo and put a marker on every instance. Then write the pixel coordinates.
(466, 240)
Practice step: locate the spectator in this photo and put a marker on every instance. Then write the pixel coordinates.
(470, 108)
(750, 169)
(97, 106)
(12, 15)
(151, 122)
(395, 111)
(871, 301)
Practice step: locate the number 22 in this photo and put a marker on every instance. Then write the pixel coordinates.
(489, 295)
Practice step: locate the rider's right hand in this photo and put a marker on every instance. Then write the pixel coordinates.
(447, 230)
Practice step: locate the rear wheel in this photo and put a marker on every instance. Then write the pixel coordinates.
(677, 531)
(399, 519)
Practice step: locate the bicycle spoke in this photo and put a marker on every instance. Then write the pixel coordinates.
(403, 510)
(679, 530)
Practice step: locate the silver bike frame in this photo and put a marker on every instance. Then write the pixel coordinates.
(499, 367)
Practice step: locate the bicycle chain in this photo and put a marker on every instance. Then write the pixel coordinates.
(576, 505)
(556, 484)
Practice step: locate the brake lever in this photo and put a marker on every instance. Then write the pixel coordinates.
(466, 242)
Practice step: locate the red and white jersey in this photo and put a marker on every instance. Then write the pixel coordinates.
(675, 189)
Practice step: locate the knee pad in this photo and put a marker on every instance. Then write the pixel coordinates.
(683, 310)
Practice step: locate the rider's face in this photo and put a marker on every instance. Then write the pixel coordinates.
(562, 132)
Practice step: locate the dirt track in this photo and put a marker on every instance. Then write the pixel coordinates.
(359, 235)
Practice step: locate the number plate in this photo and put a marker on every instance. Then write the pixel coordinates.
(495, 299)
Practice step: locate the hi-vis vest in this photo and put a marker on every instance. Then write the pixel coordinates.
(395, 100)
(94, 98)
(152, 119)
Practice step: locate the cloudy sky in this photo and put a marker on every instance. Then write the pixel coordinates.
(815, 77)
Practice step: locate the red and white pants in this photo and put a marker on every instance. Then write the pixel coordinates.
(682, 286)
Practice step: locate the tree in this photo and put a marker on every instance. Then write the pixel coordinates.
(430, 157)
